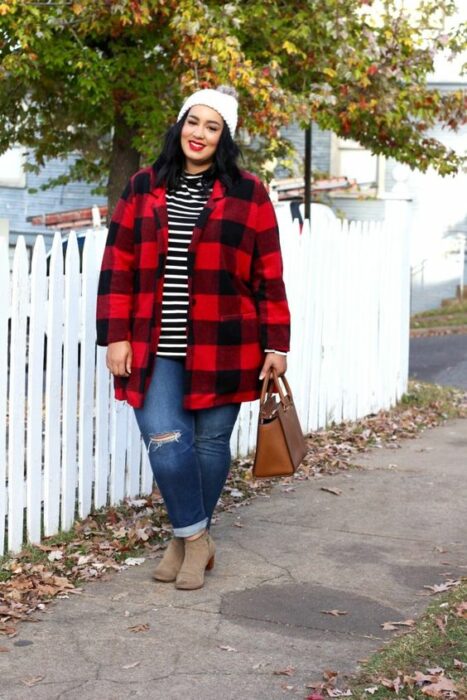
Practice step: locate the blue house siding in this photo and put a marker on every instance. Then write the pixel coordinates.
(320, 146)
(17, 204)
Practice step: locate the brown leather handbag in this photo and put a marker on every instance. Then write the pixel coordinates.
(280, 445)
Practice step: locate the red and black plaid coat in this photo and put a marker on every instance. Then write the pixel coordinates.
(237, 301)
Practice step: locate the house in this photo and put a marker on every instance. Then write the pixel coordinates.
(19, 207)
(435, 206)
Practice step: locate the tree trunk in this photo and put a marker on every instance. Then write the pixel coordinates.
(124, 161)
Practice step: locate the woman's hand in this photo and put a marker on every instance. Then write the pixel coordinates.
(119, 357)
(274, 361)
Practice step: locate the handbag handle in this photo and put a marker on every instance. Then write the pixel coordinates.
(272, 378)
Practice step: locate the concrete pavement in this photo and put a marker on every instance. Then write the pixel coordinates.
(398, 525)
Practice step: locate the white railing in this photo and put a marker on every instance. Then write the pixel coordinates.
(66, 446)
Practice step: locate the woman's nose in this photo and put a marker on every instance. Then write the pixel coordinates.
(198, 132)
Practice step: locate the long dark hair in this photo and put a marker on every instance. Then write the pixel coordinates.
(169, 164)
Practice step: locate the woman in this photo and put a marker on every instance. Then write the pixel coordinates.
(192, 306)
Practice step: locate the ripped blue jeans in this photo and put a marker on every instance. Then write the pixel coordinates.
(189, 451)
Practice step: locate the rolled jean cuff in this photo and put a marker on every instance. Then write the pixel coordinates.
(190, 530)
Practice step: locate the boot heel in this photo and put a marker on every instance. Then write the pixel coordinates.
(210, 564)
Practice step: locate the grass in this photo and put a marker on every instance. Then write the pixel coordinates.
(453, 313)
(439, 640)
(423, 395)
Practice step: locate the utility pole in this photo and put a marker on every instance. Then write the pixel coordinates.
(308, 144)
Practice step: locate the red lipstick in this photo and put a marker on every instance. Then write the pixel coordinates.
(195, 146)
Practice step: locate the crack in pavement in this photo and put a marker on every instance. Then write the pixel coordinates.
(265, 559)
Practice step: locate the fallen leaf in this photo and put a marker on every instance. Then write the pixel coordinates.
(329, 489)
(437, 690)
(236, 493)
(225, 647)
(441, 623)
(2, 649)
(435, 671)
(461, 610)
(143, 627)
(330, 675)
(33, 680)
(459, 664)
(442, 587)
(336, 693)
(289, 671)
(84, 559)
(372, 690)
(395, 625)
(392, 684)
(55, 555)
(421, 678)
(335, 613)
(137, 503)
(287, 687)
(134, 561)
(315, 696)
(238, 524)
(135, 663)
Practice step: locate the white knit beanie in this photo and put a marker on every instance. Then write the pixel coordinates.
(223, 100)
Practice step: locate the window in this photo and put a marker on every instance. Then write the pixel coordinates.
(11, 168)
(350, 159)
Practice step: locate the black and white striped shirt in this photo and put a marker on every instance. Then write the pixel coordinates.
(184, 206)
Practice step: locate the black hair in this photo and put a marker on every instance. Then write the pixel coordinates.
(169, 164)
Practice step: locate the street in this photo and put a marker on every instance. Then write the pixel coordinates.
(439, 359)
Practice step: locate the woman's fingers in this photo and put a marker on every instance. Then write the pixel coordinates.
(128, 362)
(119, 358)
(273, 361)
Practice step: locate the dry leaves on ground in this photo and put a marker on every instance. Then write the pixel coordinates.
(112, 538)
(443, 587)
(396, 625)
(328, 686)
(142, 627)
(434, 684)
(335, 613)
(32, 680)
(288, 671)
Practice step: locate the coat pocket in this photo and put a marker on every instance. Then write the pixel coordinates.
(238, 317)
(238, 329)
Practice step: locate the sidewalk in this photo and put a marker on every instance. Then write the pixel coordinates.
(397, 526)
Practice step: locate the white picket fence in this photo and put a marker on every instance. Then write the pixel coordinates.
(66, 446)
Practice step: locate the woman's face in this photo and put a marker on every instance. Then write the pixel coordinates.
(199, 138)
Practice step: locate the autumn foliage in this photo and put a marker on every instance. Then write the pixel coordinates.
(103, 79)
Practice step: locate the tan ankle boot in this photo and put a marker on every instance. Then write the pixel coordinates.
(170, 564)
(199, 557)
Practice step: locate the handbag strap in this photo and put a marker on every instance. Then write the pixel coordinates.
(272, 380)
